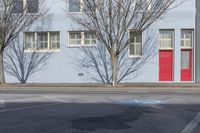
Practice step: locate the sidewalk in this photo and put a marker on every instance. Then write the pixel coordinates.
(97, 86)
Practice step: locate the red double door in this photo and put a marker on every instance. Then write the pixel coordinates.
(166, 62)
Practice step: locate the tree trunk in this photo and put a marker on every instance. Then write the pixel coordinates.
(114, 70)
(2, 78)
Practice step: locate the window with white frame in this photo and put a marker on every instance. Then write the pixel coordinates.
(30, 41)
(186, 38)
(54, 40)
(74, 5)
(166, 39)
(75, 38)
(87, 38)
(135, 39)
(42, 41)
(28, 6)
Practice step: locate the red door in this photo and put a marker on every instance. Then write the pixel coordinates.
(186, 65)
(165, 65)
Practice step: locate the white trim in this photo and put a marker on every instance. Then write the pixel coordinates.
(166, 48)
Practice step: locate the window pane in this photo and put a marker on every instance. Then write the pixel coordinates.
(138, 49)
(132, 49)
(74, 6)
(185, 62)
(166, 39)
(32, 6)
(90, 38)
(42, 41)
(54, 40)
(75, 38)
(18, 6)
(29, 41)
(186, 38)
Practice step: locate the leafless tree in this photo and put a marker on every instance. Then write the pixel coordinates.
(15, 17)
(111, 20)
(22, 64)
(98, 63)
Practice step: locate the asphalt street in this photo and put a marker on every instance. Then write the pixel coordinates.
(130, 111)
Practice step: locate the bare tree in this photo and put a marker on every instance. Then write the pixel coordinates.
(15, 17)
(111, 20)
(22, 64)
(97, 59)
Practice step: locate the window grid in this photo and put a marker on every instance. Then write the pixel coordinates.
(89, 39)
(30, 41)
(54, 41)
(42, 41)
(137, 46)
(82, 39)
(38, 43)
(186, 39)
(75, 39)
(166, 39)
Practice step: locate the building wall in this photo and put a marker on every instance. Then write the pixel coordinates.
(61, 68)
(197, 41)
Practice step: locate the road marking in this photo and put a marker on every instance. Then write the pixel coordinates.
(55, 99)
(190, 127)
(31, 107)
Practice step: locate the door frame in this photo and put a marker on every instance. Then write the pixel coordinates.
(193, 54)
(173, 54)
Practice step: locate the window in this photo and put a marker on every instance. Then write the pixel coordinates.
(87, 38)
(186, 38)
(28, 6)
(30, 41)
(32, 6)
(54, 40)
(75, 38)
(42, 41)
(135, 39)
(18, 6)
(74, 6)
(185, 61)
(90, 38)
(166, 39)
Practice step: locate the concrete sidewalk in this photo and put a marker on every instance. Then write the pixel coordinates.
(97, 86)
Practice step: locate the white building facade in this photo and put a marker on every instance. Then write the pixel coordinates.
(174, 33)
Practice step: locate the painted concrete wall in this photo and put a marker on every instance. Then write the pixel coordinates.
(62, 67)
